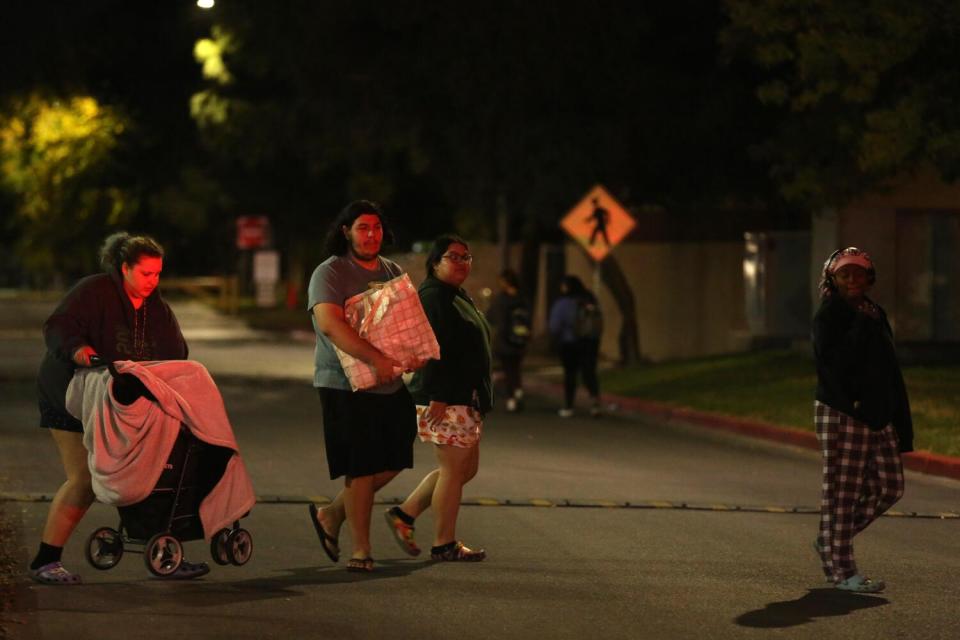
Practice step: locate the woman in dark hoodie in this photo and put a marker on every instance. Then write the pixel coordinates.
(862, 414)
(452, 395)
(115, 315)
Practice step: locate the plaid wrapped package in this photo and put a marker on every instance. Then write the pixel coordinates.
(391, 318)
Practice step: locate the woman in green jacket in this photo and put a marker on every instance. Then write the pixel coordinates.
(452, 395)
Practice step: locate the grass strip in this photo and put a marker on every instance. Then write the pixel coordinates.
(778, 385)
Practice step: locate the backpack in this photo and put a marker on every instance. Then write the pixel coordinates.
(589, 321)
(518, 327)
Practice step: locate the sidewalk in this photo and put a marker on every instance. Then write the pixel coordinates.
(920, 461)
(229, 348)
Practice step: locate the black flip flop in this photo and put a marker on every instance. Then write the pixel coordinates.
(328, 542)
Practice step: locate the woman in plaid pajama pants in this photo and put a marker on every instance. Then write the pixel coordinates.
(862, 414)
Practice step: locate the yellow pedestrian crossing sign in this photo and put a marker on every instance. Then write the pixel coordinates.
(598, 222)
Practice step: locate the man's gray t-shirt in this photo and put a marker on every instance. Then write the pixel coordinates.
(335, 280)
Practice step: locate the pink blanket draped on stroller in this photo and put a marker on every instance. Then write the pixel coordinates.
(128, 445)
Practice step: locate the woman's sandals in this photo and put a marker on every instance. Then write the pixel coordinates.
(456, 551)
(360, 565)
(402, 531)
(329, 543)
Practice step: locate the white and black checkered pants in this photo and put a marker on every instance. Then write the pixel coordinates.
(862, 478)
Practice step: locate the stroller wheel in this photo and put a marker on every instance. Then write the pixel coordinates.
(239, 546)
(218, 547)
(163, 554)
(104, 548)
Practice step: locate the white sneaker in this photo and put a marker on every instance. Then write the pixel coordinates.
(511, 404)
(565, 413)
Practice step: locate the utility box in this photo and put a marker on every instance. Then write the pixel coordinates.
(266, 275)
(776, 285)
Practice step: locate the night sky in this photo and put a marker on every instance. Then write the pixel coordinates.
(516, 102)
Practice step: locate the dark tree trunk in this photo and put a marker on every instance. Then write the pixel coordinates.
(529, 268)
(629, 338)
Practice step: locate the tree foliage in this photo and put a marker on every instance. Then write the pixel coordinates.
(55, 154)
(134, 61)
(451, 113)
(865, 90)
(475, 104)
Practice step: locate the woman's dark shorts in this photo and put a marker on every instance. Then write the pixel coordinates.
(53, 418)
(366, 433)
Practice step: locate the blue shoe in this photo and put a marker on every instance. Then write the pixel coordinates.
(54, 573)
(861, 584)
(189, 570)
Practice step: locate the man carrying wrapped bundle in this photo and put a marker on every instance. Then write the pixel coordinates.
(368, 433)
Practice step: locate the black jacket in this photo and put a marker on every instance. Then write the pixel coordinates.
(464, 337)
(501, 315)
(98, 313)
(857, 369)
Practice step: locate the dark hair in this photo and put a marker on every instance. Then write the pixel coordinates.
(122, 248)
(510, 277)
(575, 288)
(440, 246)
(827, 287)
(336, 243)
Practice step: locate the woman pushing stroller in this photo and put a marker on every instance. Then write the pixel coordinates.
(115, 315)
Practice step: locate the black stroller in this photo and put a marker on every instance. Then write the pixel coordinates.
(158, 525)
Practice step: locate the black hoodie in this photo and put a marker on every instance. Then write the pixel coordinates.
(464, 337)
(97, 312)
(857, 369)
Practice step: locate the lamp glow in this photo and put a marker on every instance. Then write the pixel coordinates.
(205, 4)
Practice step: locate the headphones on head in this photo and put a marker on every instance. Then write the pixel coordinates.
(828, 271)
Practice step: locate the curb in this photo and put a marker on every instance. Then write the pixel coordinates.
(933, 464)
(555, 503)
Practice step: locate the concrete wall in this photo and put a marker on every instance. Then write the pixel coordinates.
(689, 297)
(912, 231)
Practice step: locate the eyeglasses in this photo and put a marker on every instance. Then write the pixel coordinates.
(465, 258)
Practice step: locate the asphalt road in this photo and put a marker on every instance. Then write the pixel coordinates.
(646, 531)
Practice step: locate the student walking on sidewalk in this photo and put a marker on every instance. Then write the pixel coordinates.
(575, 325)
(509, 314)
(862, 414)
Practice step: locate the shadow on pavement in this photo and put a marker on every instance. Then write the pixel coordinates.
(124, 596)
(176, 595)
(816, 603)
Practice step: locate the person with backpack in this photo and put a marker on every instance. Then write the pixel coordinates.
(575, 325)
(509, 313)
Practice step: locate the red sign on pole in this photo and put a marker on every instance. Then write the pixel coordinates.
(253, 232)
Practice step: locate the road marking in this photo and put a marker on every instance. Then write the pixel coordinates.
(6, 496)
